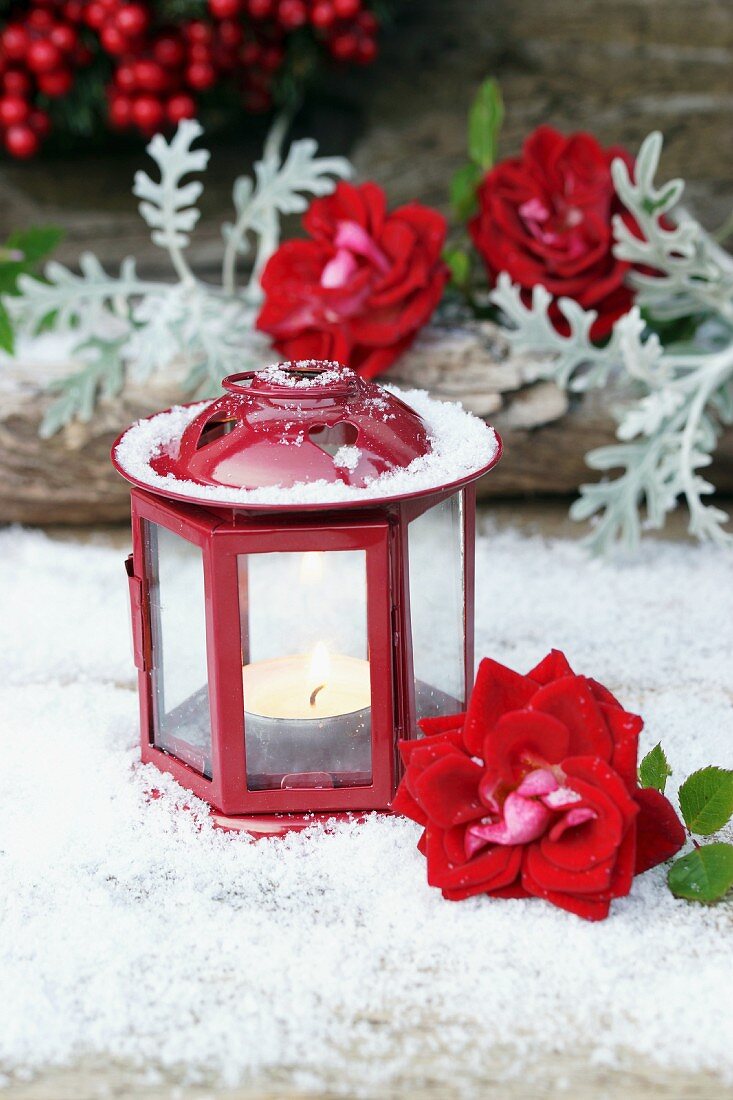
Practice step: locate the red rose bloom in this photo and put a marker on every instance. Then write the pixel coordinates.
(533, 792)
(545, 217)
(362, 287)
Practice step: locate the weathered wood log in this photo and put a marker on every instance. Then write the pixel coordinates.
(69, 479)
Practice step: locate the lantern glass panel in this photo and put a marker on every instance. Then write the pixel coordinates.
(306, 673)
(436, 560)
(179, 678)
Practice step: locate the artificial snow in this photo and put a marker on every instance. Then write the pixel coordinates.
(132, 931)
(347, 457)
(462, 445)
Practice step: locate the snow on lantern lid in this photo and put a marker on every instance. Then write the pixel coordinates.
(305, 434)
(293, 423)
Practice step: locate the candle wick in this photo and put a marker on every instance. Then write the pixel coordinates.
(314, 693)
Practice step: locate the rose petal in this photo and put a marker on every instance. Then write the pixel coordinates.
(552, 667)
(524, 737)
(571, 701)
(497, 690)
(659, 832)
(569, 820)
(539, 782)
(524, 820)
(448, 790)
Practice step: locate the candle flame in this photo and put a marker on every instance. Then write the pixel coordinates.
(311, 567)
(320, 666)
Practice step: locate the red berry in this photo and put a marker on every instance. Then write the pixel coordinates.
(15, 42)
(259, 9)
(323, 15)
(272, 58)
(366, 51)
(367, 22)
(56, 83)
(344, 46)
(74, 10)
(150, 76)
(198, 31)
(125, 78)
(346, 9)
(64, 37)
(43, 56)
(200, 75)
(147, 113)
(95, 15)
(120, 112)
(224, 9)
(39, 19)
(250, 54)
(292, 14)
(40, 123)
(169, 51)
(257, 100)
(180, 106)
(113, 40)
(20, 141)
(17, 82)
(199, 51)
(13, 110)
(131, 20)
(230, 34)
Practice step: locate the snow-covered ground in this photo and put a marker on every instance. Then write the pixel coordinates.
(132, 930)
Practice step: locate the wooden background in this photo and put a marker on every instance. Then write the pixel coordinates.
(616, 67)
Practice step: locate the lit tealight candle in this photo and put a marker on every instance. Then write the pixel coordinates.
(307, 713)
(302, 687)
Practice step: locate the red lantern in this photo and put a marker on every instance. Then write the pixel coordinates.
(285, 645)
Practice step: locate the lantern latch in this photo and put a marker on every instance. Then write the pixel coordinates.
(140, 647)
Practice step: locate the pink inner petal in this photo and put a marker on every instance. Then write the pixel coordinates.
(561, 798)
(524, 820)
(339, 270)
(534, 210)
(354, 237)
(539, 782)
(571, 819)
(487, 793)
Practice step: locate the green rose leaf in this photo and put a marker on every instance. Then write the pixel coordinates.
(463, 191)
(484, 125)
(703, 875)
(706, 800)
(35, 243)
(459, 263)
(654, 769)
(6, 331)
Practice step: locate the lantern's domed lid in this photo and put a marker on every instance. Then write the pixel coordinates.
(296, 423)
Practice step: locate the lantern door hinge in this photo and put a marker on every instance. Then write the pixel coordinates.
(140, 643)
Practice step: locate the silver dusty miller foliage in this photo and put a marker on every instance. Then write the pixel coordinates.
(125, 325)
(681, 393)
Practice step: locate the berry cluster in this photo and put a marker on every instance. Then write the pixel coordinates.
(158, 70)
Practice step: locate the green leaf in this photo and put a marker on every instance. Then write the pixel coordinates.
(463, 191)
(459, 263)
(35, 243)
(7, 342)
(703, 875)
(706, 800)
(484, 124)
(654, 769)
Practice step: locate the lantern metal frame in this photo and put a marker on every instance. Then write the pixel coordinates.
(382, 533)
(378, 527)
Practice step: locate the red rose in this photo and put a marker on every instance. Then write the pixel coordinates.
(364, 285)
(546, 217)
(533, 792)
